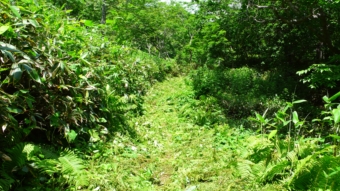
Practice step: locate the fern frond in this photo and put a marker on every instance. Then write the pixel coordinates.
(274, 170)
(49, 152)
(302, 167)
(17, 155)
(245, 170)
(30, 150)
(48, 166)
(292, 157)
(5, 181)
(258, 169)
(70, 163)
(73, 169)
(306, 146)
(327, 173)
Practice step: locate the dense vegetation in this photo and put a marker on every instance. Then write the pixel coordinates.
(90, 99)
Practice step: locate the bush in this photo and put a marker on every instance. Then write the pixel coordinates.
(239, 91)
(64, 84)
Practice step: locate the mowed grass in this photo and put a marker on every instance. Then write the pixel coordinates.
(170, 151)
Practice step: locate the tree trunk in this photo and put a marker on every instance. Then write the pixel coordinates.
(103, 21)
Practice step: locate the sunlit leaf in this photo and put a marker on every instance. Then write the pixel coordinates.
(334, 96)
(295, 117)
(326, 99)
(88, 23)
(71, 136)
(16, 72)
(272, 134)
(4, 126)
(9, 55)
(3, 29)
(336, 115)
(33, 22)
(3, 69)
(32, 73)
(15, 10)
(102, 120)
(299, 101)
(9, 47)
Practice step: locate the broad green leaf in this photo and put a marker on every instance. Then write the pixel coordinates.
(94, 135)
(289, 105)
(24, 91)
(33, 22)
(316, 120)
(83, 55)
(336, 115)
(272, 134)
(260, 118)
(102, 120)
(16, 72)
(285, 123)
(71, 136)
(3, 69)
(286, 108)
(280, 118)
(29, 102)
(334, 96)
(328, 118)
(3, 29)
(88, 23)
(8, 54)
(9, 47)
(35, 76)
(15, 110)
(5, 81)
(110, 21)
(295, 117)
(15, 10)
(335, 137)
(32, 73)
(326, 99)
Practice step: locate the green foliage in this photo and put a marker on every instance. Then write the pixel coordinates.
(41, 166)
(263, 35)
(67, 85)
(239, 91)
(68, 168)
(154, 27)
(321, 75)
(68, 82)
(300, 163)
(305, 167)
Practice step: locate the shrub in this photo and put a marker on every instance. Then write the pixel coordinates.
(239, 91)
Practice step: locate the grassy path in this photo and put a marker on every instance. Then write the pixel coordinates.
(171, 151)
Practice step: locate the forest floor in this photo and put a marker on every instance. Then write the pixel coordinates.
(171, 152)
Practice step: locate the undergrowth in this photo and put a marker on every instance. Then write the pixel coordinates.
(182, 144)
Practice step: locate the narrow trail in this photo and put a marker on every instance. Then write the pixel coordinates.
(172, 152)
(185, 153)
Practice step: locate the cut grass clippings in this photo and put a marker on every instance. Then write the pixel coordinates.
(172, 152)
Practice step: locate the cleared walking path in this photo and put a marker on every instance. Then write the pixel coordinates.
(172, 152)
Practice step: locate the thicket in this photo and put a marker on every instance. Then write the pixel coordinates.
(278, 50)
(67, 83)
(279, 60)
(64, 83)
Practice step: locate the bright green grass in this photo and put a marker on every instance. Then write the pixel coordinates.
(170, 151)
